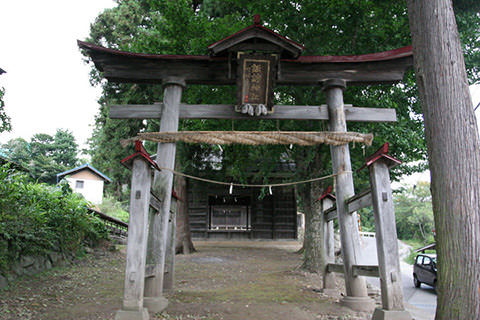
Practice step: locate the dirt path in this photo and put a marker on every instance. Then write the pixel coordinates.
(222, 280)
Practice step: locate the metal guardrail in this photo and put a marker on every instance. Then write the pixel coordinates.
(113, 225)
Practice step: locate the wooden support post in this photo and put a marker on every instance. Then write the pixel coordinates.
(133, 306)
(169, 275)
(387, 243)
(329, 283)
(357, 297)
(162, 188)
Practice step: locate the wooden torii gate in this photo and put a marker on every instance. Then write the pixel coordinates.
(281, 63)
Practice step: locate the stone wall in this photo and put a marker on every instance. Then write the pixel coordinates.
(30, 265)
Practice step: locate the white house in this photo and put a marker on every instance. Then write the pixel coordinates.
(87, 181)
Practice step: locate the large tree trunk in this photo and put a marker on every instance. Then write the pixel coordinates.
(313, 246)
(453, 148)
(183, 243)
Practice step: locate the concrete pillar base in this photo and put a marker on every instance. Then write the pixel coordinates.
(155, 304)
(380, 314)
(132, 315)
(363, 304)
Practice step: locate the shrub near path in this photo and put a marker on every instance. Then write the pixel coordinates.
(36, 219)
(222, 280)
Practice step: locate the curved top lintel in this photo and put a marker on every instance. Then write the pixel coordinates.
(123, 66)
(369, 57)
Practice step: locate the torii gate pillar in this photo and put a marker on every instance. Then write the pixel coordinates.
(357, 296)
(133, 307)
(386, 235)
(162, 188)
(329, 283)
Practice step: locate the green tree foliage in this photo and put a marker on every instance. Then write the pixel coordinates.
(65, 149)
(38, 218)
(414, 214)
(367, 219)
(18, 151)
(4, 118)
(467, 17)
(45, 156)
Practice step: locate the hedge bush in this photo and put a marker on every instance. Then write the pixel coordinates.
(37, 218)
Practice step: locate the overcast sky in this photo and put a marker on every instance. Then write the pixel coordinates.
(46, 83)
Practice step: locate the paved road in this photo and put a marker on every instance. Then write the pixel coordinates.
(421, 302)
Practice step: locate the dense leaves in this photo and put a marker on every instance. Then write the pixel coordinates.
(469, 31)
(44, 156)
(4, 118)
(414, 214)
(37, 218)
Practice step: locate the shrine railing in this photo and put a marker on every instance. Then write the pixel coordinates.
(113, 225)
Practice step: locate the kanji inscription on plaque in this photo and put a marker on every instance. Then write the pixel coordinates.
(255, 92)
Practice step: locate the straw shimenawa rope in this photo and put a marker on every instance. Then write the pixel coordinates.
(256, 137)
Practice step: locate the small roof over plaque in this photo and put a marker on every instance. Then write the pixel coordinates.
(257, 38)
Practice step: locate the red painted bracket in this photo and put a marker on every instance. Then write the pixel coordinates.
(381, 153)
(139, 152)
(175, 195)
(327, 193)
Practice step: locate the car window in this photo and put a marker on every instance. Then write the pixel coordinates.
(419, 260)
(427, 261)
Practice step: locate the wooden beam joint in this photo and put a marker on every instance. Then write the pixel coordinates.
(155, 202)
(353, 204)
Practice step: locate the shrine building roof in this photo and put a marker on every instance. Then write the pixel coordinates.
(257, 38)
